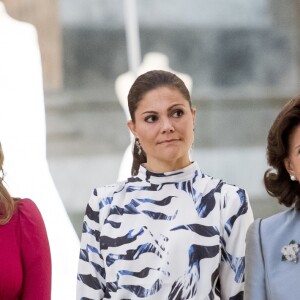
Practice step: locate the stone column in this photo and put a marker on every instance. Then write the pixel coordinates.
(286, 16)
(44, 15)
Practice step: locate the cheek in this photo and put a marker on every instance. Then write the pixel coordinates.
(189, 128)
(191, 134)
(146, 136)
(297, 164)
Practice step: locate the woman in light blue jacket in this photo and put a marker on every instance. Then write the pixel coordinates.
(272, 244)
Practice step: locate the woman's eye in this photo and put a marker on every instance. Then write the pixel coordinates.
(178, 113)
(151, 119)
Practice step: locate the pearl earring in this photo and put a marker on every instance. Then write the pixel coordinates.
(293, 178)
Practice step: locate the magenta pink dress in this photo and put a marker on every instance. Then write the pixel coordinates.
(25, 261)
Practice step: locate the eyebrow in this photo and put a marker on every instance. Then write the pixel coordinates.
(155, 112)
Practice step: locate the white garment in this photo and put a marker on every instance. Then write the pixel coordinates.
(175, 235)
(23, 139)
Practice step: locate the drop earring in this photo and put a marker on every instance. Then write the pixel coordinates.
(138, 146)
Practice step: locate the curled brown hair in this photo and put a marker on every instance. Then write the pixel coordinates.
(7, 203)
(145, 83)
(277, 179)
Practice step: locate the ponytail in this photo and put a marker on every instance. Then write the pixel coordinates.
(139, 157)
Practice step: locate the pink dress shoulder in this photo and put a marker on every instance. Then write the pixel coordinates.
(25, 258)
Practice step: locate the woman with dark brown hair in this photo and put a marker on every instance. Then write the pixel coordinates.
(169, 231)
(25, 262)
(272, 247)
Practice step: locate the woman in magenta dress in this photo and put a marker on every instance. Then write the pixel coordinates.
(25, 261)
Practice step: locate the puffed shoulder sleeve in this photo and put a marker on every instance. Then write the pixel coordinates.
(36, 256)
(255, 273)
(91, 271)
(236, 217)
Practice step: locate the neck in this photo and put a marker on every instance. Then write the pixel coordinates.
(163, 168)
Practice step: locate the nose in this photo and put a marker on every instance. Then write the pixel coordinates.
(167, 126)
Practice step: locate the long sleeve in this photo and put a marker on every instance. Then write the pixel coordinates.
(255, 287)
(91, 274)
(236, 217)
(133, 232)
(36, 258)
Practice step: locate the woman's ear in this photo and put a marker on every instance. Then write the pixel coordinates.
(289, 166)
(131, 127)
(194, 116)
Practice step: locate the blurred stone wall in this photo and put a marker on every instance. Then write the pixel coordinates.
(243, 57)
(231, 49)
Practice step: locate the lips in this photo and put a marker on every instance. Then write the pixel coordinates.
(168, 141)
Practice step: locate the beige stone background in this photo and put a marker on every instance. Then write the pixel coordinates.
(83, 150)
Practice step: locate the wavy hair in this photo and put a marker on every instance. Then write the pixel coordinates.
(145, 83)
(7, 204)
(277, 179)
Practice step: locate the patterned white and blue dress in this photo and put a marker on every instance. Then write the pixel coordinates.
(175, 235)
